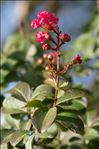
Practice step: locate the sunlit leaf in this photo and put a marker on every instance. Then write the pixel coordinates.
(25, 125)
(3, 146)
(49, 118)
(43, 91)
(50, 82)
(75, 105)
(21, 91)
(71, 121)
(91, 134)
(43, 118)
(29, 143)
(63, 84)
(8, 122)
(70, 94)
(91, 116)
(6, 135)
(60, 93)
(13, 103)
(17, 137)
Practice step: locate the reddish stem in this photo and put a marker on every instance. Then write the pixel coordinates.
(58, 69)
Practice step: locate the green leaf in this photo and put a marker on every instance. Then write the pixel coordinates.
(21, 91)
(50, 82)
(60, 93)
(91, 134)
(25, 125)
(13, 103)
(5, 132)
(17, 137)
(7, 139)
(34, 103)
(6, 135)
(3, 146)
(63, 84)
(52, 130)
(62, 126)
(9, 122)
(43, 91)
(96, 122)
(71, 121)
(43, 118)
(49, 119)
(6, 110)
(70, 94)
(75, 105)
(91, 116)
(29, 143)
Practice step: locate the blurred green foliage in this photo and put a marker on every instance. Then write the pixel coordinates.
(19, 60)
(19, 63)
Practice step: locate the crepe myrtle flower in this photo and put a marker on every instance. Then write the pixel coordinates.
(51, 39)
(48, 22)
(42, 36)
(45, 18)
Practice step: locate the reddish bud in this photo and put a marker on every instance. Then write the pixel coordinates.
(45, 56)
(65, 37)
(47, 35)
(50, 57)
(47, 68)
(78, 59)
(40, 60)
(45, 46)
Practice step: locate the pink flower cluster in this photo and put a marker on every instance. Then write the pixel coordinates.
(42, 36)
(45, 18)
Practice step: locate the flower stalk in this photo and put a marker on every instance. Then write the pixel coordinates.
(49, 22)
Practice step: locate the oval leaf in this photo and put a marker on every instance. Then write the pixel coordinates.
(13, 103)
(75, 105)
(34, 103)
(21, 91)
(43, 118)
(6, 135)
(43, 91)
(17, 137)
(71, 121)
(70, 94)
(29, 143)
(49, 119)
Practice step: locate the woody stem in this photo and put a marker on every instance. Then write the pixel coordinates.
(57, 72)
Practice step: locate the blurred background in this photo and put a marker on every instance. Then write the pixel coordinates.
(20, 51)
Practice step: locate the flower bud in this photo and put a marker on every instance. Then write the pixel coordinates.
(50, 57)
(40, 60)
(65, 37)
(45, 56)
(47, 68)
(78, 59)
(45, 46)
